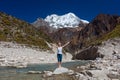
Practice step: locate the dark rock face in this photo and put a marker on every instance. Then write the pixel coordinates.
(65, 34)
(88, 54)
(68, 35)
(102, 24)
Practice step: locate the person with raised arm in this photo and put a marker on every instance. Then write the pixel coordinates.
(59, 52)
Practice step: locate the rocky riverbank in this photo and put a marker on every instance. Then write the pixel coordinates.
(106, 68)
(99, 69)
(17, 55)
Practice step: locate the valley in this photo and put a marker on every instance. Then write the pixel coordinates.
(97, 42)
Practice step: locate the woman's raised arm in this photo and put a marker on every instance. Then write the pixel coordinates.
(66, 44)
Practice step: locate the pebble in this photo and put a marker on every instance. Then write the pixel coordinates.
(34, 72)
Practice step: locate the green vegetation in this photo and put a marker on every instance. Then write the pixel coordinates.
(13, 29)
(113, 34)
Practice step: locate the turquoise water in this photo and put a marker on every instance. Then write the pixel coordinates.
(9, 73)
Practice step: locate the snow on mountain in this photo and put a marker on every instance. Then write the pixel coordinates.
(67, 20)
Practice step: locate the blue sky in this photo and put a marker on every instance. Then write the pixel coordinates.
(30, 10)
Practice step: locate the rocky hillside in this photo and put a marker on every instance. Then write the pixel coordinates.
(100, 26)
(16, 30)
(106, 46)
(66, 34)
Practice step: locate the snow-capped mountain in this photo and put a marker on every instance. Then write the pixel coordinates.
(67, 20)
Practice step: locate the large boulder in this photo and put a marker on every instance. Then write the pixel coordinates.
(90, 53)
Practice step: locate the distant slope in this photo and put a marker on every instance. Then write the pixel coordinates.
(16, 30)
(111, 35)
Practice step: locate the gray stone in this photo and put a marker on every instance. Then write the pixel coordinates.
(89, 73)
(118, 56)
(113, 76)
(99, 74)
(34, 72)
(70, 72)
(60, 70)
(47, 73)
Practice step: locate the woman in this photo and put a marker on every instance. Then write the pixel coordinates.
(59, 52)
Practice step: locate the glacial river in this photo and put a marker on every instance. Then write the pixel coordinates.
(9, 73)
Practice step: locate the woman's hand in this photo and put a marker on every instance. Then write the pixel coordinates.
(66, 44)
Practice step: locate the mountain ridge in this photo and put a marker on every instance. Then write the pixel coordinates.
(63, 21)
(66, 20)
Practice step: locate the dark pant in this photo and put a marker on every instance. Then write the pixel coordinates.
(59, 57)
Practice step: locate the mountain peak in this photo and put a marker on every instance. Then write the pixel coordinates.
(67, 20)
(70, 14)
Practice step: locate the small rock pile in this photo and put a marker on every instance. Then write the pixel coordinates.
(101, 70)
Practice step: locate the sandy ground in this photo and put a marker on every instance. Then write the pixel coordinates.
(14, 54)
